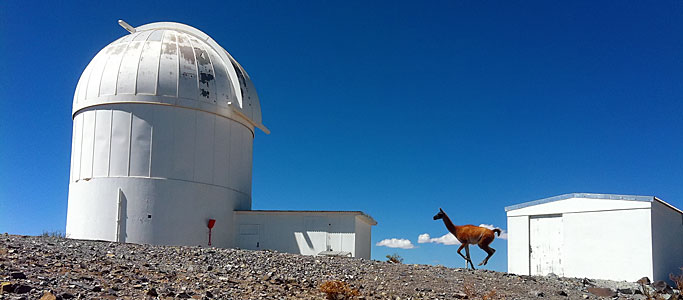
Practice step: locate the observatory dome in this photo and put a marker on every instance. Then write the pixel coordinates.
(171, 64)
(163, 131)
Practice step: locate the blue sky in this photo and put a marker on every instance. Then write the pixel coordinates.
(392, 108)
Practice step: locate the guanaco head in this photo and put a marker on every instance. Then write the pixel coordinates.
(439, 215)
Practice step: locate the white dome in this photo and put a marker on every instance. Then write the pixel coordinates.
(174, 64)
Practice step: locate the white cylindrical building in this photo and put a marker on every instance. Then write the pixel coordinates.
(163, 125)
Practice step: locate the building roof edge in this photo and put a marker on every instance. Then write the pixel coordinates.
(368, 218)
(585, 195)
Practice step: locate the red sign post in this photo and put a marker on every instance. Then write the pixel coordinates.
(210, 225)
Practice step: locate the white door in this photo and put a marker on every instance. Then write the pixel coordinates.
(545, 245)
(250, 237)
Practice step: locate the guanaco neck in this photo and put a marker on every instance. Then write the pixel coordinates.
(449, 225)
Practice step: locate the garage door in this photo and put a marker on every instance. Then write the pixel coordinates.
(545, 245)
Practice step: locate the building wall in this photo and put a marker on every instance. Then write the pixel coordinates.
(612, 244)
(307, 233)
(667, 241)
(153, 211)
(363, 239)
(600, 238)
(181, 166)
(143, 140)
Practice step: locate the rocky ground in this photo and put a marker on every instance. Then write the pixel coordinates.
(59, 268)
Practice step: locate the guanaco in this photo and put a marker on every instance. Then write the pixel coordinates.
(470, 234)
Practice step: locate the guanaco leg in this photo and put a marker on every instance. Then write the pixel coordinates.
(488, 250)
(468, 261)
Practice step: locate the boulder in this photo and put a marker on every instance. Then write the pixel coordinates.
(602, 292)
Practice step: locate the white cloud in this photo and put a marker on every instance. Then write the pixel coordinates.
(396, 243)
(503, 233)
(446, 239)
(423, 238)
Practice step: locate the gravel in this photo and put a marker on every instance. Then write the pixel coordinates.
(59, 268)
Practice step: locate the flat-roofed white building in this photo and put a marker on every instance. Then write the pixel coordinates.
(604, 236)
(339, 233)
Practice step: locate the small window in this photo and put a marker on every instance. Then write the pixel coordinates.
(149, 216)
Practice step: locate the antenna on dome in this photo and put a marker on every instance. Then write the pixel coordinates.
(127, 26)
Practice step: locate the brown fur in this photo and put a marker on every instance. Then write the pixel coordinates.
(470, 235)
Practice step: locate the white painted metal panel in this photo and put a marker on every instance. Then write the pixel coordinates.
(667, 240)
(88, 144)
(149, 64)
(141, 142)
(163, 150)
(110, 73)
(317, 230)
(340, 241)
(168, 67)
(237, 164)
(82, 85)
(362, 239)
(349, 243)
(73, 146)
(187, 84)
(126, 38)
(248, 160)
(235, 155)
(220, 154)
(78, 138)
(142, 36)
(338, 234)
(318, 241)
(204, 148)
(615, 245)
(183, 144)
(120, 143)
(245, 167)
(249, 229)
(128, 71)
(207, 79)
(98, 64)
(90, 214)
(156, 36)
(546, 243)
(316, 223)
(102, 143)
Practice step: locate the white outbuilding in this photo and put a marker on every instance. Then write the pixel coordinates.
(334, 233)
(602, 236)
(163, 127)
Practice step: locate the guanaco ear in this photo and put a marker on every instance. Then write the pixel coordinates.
(441, 210)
